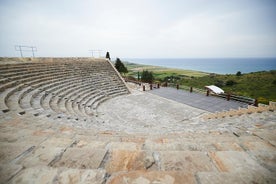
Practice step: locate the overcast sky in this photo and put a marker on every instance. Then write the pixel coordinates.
(140, 28)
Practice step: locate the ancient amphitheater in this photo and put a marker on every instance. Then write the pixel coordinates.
(74, 120)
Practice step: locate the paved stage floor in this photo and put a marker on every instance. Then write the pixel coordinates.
(197, 100)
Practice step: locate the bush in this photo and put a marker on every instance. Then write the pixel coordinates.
(230, 83)
(219, 83)
(147, 76)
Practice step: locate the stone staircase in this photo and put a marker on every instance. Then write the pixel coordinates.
(241, 111)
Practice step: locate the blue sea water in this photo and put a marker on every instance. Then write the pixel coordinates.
(213, 65)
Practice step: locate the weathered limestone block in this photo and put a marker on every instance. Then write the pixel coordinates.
(42, 175)
(152, 177)
(81, 158)
(61, 142)
(11, 151)
(227, 146)
(258, 146)
(192, 161)
(7, 171)
(72, 176)
(233, 177)
(235, 161)
(265, 158)
(90, 144)
(125, 160)
(47, 175)
(123, 146)
(42, 156)
(139, 140)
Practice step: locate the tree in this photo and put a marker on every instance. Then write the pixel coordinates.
(147, 76)
(138, 76)
(120, 66)
(238, 73)
(107, 56)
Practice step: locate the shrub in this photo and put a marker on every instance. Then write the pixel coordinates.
(147, 76)
(219, 83)
(230, 83)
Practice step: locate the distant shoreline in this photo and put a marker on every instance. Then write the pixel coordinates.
(211, 65)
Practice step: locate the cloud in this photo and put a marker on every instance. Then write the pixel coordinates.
(143, 28)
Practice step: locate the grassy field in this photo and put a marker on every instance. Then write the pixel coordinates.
(161, 72)
(260, 85)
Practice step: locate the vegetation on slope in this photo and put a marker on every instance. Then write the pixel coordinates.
(260, 85)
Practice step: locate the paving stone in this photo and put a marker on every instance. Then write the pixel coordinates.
(81, 158)
(268, 135)
(43, 132)
(192, 161)
(228, 146)
(22, 136)
(7, 171)
(91, 144)
(42, 156)
(62, 142)
(47, 152)
(123, 146)
(152, 177)
(258, 146)
(80, 176)
(176, 145)
(230, 178)
(8, 137)
(125, 160)
(10, 151)
(139, 140)
(235, 161)
(42, 175)
(265, 158)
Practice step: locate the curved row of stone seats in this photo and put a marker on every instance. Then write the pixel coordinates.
(238, 112)
(25, 87)
(70, 88)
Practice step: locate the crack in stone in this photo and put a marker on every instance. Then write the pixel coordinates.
(23, 154)
(104, 160)
(106, 177)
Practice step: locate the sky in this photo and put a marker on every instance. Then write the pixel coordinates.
(139, 28)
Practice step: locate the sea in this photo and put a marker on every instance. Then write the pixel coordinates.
(212, 65)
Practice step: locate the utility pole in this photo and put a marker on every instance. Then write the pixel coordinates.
(23, 48)
(93, 52)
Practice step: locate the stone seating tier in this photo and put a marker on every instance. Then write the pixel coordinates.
(73, 87)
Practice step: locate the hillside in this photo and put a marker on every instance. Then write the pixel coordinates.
(260, 85)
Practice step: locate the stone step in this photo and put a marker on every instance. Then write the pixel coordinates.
(234, 177)
(46, 174)
(152, 177)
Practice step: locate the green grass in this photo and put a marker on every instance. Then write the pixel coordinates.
(258, 85)
(161, 72)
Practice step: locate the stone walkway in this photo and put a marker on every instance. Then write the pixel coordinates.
(197, 100)
(139, 138)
